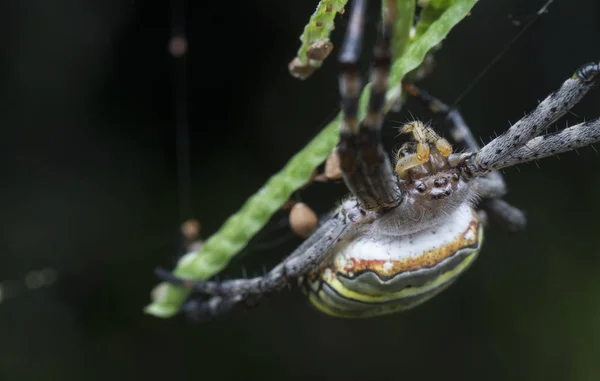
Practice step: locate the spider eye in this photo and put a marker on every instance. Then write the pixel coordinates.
(421, 187)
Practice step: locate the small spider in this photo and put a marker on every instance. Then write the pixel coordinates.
(410, 229)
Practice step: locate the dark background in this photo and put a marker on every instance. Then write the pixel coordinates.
(89, 190)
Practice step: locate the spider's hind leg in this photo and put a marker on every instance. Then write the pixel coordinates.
(491, 187)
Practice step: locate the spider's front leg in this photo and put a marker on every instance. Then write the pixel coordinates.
(219, 298)
(521, 143)
(365, 166)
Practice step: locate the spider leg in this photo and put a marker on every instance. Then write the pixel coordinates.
(569, 139)
(517, 141)
(501, 212)
(226, 296)
(365, 166)
(491, 187)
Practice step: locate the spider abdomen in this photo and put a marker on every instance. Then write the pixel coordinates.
(378, 274)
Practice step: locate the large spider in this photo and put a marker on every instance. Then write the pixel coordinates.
(409, 230)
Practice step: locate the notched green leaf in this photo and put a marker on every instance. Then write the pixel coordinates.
(316, 45)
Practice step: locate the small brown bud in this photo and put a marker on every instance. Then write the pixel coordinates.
(303, 220)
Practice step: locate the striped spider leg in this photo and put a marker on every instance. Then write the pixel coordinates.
(410, 229)
(365, 166)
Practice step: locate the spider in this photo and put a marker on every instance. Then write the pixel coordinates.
(408, 230)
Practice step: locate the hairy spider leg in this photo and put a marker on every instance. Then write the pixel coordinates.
(519, 143)
(227, 296)
(365, 166)
(491, 187)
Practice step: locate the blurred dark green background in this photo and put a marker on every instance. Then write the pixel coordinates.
(89, 189)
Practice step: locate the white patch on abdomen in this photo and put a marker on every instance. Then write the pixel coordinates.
(374, 246)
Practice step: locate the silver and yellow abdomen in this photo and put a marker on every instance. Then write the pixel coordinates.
(376, 275)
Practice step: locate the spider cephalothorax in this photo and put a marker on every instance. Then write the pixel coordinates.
(430, 185)
(408, 230)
